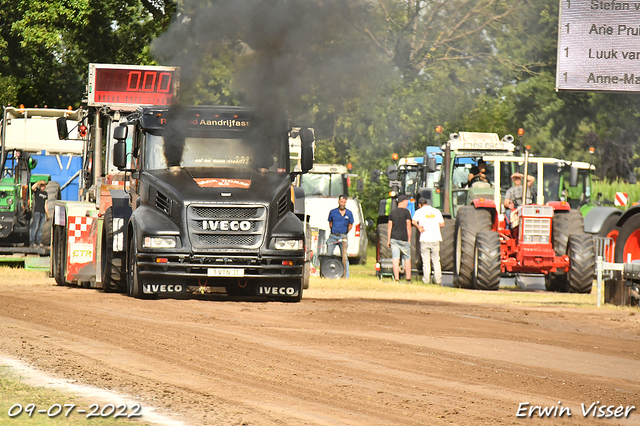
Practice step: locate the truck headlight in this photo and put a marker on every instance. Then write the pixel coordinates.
(9, 201)
(159, 242)
(286, 244)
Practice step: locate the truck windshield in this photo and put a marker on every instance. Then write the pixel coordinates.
(323, 184)
(263, 155)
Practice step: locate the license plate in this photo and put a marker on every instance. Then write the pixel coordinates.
(225, 272)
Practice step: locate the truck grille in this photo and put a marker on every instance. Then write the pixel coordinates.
(226, 227)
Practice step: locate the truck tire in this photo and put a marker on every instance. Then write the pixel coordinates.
(307, 274)
(628, 242)
(469, 222)
(565, 223)
(446, 245)
(385, 252)
(487, 261)
(58, 254)
(135, 281)
(113, 279)
(307, 264)
(582, 255)
(53, 194)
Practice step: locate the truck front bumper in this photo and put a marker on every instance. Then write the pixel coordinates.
(160, 265)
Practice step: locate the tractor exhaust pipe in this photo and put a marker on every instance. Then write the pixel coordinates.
(525, 178)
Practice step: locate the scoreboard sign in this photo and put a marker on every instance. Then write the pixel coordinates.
(129, 86)
(599, 45)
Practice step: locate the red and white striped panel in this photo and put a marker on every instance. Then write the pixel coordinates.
(79, 226)
(622, 199)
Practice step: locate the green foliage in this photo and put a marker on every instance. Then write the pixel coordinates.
(609, 188)
(372, 78)
(45, 47)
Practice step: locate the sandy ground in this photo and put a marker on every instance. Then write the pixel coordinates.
(332, 361)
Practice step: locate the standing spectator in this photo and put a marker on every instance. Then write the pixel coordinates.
(399, 238)
(429, 220)
(340, 223)
(40, 213)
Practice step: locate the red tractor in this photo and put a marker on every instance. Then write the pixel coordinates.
(538, 238)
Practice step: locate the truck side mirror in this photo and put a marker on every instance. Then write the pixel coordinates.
(392, 172)
(432, 165)
(120, 133)
(375, 176)
(120, 154)
(360, 185)
(63, 131)
(573, 177)
(306, 139)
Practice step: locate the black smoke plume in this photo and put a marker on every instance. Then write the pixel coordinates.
(285, 49)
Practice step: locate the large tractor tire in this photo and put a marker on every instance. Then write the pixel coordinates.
(582, 257)
(385, 252)
(416, 257)
(113, 277)
(469, 222)
(628, 242)
(446, 245)
(565, 223)
(610, 229)
(487, 261)
(53, 194)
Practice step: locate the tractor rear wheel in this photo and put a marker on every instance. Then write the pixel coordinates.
(628, 242)
(487, 261)
(582, 257)
(469, 222)
(446, 245)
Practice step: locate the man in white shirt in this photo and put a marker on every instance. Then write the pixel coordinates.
(429, 220)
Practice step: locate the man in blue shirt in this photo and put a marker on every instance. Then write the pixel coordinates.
(340, 223)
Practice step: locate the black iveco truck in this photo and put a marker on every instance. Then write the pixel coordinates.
(210, 205)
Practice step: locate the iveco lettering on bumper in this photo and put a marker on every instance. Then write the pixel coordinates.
(154, 288)
(277, 291)
(226, 225)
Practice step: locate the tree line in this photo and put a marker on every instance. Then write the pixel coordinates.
(373, 77)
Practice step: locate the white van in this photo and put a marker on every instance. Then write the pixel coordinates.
(318, 209)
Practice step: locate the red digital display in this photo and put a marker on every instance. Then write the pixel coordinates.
(129, 87)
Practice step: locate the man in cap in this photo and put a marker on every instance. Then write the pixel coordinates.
(40, 213)
(513, 196)
(399, 238)
(429, 220)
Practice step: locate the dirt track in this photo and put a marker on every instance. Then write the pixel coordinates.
(330, 361)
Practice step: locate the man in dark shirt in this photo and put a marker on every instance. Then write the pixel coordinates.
(40, 213)
(479, 173)
(340, 223)
(399, 237)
